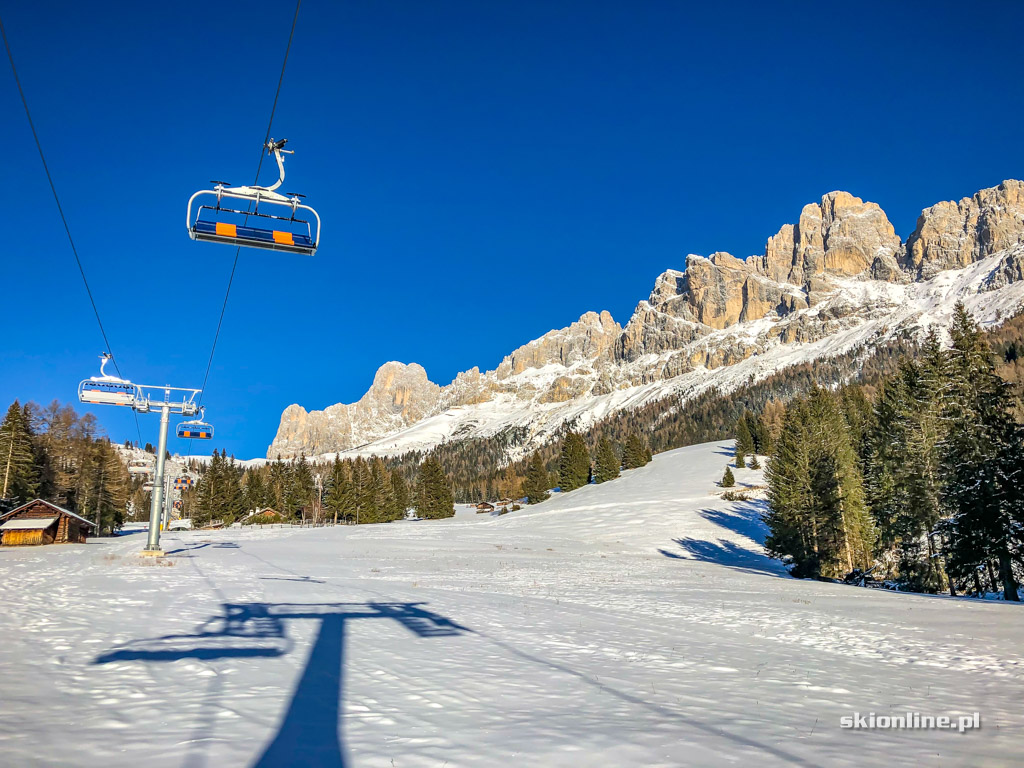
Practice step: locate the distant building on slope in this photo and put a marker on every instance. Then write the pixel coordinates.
(40, 522)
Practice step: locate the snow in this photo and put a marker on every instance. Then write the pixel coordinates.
(635, 623)
(31, 524)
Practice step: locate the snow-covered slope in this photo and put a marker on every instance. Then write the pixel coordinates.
(636, 623)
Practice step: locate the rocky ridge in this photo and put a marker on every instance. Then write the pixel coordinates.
(840, 268)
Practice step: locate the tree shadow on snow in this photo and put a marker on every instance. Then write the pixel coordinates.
(310, 731)
(744, 519)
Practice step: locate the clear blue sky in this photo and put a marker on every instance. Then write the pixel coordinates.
(486, 171)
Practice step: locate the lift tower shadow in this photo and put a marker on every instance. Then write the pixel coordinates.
(310, 731)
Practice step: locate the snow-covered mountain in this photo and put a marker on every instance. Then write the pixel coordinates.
(838, 278)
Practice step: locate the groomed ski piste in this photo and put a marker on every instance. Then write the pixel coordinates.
(636, 623)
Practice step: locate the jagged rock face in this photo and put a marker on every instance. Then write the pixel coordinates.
(841, 236)
(712, 294)
(1009, 270)
(703, 317)
(586, 339)
(952, 235)
(400, 396)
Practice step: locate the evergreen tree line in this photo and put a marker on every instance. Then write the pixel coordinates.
(52, 453)
(577, 467)
(352, 491)
(919, 478)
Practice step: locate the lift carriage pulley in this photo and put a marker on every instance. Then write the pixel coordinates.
(212, 222)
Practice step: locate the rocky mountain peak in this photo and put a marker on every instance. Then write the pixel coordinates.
(951, 235)
(399, 396)
(842, 235)
(840, 267)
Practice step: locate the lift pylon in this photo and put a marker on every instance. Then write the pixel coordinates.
(145, 398)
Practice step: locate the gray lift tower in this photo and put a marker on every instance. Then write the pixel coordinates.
(143, 398)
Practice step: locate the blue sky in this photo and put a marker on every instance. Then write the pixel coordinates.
(485, 171)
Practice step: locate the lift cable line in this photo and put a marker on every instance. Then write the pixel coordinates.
(60, 209)
(259, 167)
(238, 249)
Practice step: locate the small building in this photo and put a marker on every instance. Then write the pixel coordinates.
(40, 522)
(484, 507)
(269, 512)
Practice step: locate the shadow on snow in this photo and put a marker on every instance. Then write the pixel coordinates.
(309, 733)
(744, 519)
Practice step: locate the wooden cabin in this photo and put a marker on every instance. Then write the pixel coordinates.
(40, 522)
(268, 512)
(484, 507)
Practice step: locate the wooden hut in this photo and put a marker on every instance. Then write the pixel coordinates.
(484, 507)
(40, 522)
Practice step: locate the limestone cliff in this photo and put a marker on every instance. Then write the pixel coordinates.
(399, 396)
(841, 266)
(951, 235)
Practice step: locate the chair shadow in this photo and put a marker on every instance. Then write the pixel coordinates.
(310, 731)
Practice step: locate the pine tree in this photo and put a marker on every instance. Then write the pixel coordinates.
(362, 481)
(983, 461)
(817, 515)
(754, 463)
(846, 532)
(232, 499)
(632, 452)
(741, 460)
(255, 491)
(636, 452)
(728, 481)
(536, 484)
(433, 491)
(744, 440)
(758, 431)
(19, 475)
(607, 464)
(574, 465)
(208, 492)
(383, 495)
(341, 497)
(400, 495)
(303, 487)
(109, 485)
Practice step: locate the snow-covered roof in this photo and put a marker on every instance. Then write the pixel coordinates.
(28, 524)
(51, 505)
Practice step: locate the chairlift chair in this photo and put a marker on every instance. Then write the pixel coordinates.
(212, 227)
(182, 483)
(109, 390)
(196, 429)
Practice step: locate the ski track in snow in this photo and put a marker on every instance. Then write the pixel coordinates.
(636, 623)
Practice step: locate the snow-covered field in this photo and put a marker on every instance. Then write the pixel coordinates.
(636, 623)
